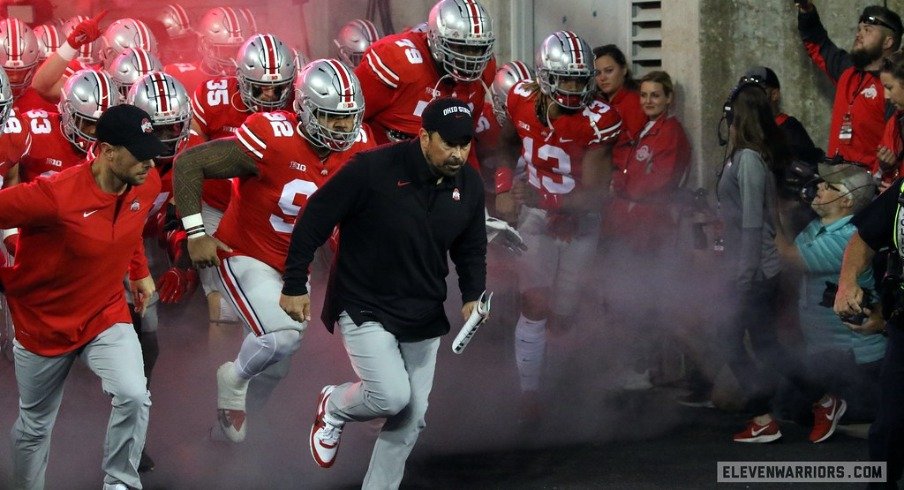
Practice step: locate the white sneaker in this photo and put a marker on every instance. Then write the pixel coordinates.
(115, 486)
(231, 392)
(324, 439)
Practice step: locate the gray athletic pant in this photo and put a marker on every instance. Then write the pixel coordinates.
(396, 379)
(115, 356)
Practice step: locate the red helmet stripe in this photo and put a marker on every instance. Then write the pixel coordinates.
(14, 39)
(475, 16)
(232, 23)
(521, 68)
(162, 91)
(577, 54)
(345, 81)
(270, 64)
(370, 29)
(182, 15)
(53, 36)
(103, 98)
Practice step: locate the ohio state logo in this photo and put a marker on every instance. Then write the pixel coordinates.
(146, 126)
(643, 153)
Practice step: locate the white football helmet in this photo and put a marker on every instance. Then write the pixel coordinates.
(354, 38)
(49, 39)
(249, 18)
(328, 88)
(6, 98)
(167, 102)
(506, 78)
(564, 58)
(130, 65)
(222, 31)
(19, 53)
(461, 38)
(89, 53)
(127, 33)
(265, 71)
(85, 96)
(176, 21)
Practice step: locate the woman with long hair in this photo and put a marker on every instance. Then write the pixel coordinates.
(616, 87)
(748, 200)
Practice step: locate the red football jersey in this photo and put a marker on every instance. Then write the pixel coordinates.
(15, 144)
(30, 99)
(76, 244)
(259, 220)
(51, 151)
(191, 75)
(553, 157)
(398, 77)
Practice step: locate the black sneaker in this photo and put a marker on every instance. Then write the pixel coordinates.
(146, 464)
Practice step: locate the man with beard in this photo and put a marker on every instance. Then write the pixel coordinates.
(859, 112)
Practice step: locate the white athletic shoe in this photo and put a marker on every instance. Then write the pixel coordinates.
(231, 392)
(324, 439)
(115, 486)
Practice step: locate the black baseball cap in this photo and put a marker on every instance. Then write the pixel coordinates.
(128, 126)
(764, 76)
(878, 15)
(451, 118)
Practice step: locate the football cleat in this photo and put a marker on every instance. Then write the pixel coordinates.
(231, 392)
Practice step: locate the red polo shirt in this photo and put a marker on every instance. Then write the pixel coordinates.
(76, 244)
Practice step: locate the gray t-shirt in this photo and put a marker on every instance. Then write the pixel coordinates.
(747, 199)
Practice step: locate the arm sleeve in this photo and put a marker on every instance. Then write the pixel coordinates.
(379, 83)
(323, 211)
(27, 204)
(469, 253)
(752, 181)
(138, 267)
(828, 57)
(875, 223)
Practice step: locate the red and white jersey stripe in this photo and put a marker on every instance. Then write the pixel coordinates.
(382, 71)
(251, 141)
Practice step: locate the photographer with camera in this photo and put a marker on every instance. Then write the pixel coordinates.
(859, 110)
(843, 354)
(880, 225)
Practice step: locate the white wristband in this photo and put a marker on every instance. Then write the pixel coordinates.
(194, 225)
(66, 51)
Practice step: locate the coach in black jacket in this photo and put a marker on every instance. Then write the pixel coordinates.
(400, 208)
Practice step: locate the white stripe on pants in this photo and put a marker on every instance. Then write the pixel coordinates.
(115, 356)
(396, 379)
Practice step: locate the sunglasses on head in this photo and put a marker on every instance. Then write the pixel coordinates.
(876, 21)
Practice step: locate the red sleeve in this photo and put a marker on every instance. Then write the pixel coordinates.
(213, 89)
(138, 268)
(255, 135)
(27, 204)
(379, 80)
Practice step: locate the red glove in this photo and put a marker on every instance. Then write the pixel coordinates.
(175, 245)
(153, 227)
(11, 242)
(176, 284)
(86, 31)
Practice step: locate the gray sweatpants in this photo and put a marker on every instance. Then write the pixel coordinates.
(115, 356)
(396, 379)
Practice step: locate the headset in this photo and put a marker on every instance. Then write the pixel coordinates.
(727, 113)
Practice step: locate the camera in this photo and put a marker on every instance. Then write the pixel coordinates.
(828, 300)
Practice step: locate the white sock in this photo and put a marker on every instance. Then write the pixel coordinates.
(530, 347)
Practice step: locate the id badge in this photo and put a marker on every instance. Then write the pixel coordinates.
(847, 130)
